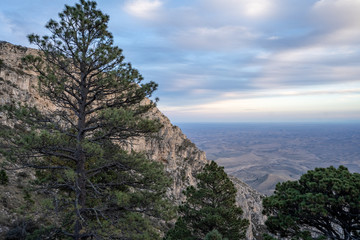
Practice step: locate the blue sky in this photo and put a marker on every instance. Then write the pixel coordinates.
(229, 60)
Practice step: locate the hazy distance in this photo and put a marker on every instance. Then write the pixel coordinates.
(262, 154)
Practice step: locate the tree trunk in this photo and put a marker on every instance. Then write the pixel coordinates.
(80, 180)
(80, 195)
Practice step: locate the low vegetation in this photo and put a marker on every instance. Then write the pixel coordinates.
(323, 204)
(4, 179)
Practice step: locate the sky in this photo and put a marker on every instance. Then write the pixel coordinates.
(229, 60)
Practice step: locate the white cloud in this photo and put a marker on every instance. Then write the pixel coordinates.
(338, 19)
(349, 90)
(187, 82)
(272, 38)
(314, 54)
(336, 101)
(338, 12)
(305, 103)
(144, 9)
(246, 8)
(214, 38)
(263, 55)
(341, 36)
(257, 8)
(311, 66)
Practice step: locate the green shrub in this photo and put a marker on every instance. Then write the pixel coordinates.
(214, 235)
(4, 179)
(21, 229)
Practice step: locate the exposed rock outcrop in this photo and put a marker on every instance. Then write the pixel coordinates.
(181, 158)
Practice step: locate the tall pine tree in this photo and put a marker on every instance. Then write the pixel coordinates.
(99, 190)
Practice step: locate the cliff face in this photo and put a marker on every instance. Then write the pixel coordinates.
(181, 158)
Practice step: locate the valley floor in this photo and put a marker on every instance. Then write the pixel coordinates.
(263, 154)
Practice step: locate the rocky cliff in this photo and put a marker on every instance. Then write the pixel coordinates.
(181, 158)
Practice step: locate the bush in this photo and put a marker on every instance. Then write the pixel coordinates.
(21, 229)
(214, 235)
(4, 179)
(323, 203)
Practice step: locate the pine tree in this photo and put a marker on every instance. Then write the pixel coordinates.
(323, 204)
(99, 190)
(210, 206)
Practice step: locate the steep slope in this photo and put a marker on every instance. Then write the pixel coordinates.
(181, 158)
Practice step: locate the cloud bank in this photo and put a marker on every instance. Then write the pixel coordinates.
(241, 59)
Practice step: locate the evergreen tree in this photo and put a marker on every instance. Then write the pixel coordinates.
(99, 190)
(210, 206)
(214, 235)
(323, 204)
